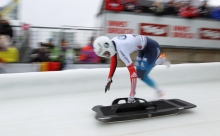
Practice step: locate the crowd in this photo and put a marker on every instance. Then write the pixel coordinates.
(57, 56)
(87, 54)
(8, 51)
(183, 9)
(49, 55)
(62, 56)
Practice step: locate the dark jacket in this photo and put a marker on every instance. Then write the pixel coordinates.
(6, 29)
(216, 13)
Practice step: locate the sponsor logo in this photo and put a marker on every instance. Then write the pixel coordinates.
(118, 27)
(134, 75)
(139, 47)
(138, 59)
(144, 59)
(124, 56)
(154, 29)
(122, 37)
(179, 31)
(209, 34)
(142, 64)
(135, 35)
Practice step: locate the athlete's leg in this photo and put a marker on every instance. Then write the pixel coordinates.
(139, 62)
(162, 60)
(148, 58)
(148, 65)
(148, 62)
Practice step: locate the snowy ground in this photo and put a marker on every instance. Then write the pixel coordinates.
(60, 103)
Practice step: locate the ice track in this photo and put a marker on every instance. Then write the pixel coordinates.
(59, 103)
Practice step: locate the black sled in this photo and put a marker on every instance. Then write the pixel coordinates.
(139, 109)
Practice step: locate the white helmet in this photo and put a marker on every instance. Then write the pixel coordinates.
(104, 47)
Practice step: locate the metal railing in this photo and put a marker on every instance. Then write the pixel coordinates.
(76, 36)
(27, 40)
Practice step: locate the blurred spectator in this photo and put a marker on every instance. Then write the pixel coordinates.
(132, 6)
(50, 44)
(204, 10)
(145, 6)
(157, 8)
(170, 8)
(55, 52)
(6, 33)
(9, 55)
(4, 42)
(40, 55)
(216, 13)
(5, 28)
(178, 6)
(188, 11)
(87, 55)
(68, 55)
(114, 5)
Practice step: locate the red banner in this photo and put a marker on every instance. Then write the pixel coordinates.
(154, 29)
(209, 33)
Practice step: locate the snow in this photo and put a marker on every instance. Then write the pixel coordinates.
(60, 103)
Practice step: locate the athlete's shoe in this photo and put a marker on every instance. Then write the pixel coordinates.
(162, 60)
(131, 99)
(159, 95)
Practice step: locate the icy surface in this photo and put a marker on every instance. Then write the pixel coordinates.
(60, 103)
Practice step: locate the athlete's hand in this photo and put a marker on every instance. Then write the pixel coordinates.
(107, 87)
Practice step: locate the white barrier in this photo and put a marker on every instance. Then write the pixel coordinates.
(85, 80)
(172, 31)
(35, 67)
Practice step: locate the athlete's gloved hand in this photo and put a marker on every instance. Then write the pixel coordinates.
(107, 87)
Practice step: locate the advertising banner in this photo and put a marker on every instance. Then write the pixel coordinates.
(167, 31)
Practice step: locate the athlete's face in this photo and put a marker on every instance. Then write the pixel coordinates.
(106, 54)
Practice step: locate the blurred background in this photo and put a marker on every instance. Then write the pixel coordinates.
(37, 36)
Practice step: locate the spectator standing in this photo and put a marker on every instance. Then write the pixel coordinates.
(157, 8)
(170, 8)
(6, 33)
(6, 28)
(204, 10)
(68, 55)
(216, 13)
(178, 5)
(189, 11)
(132, 6)
(9, 55)
(40, 54)
(87, 54)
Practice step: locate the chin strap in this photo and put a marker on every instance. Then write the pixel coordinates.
(133, 79)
